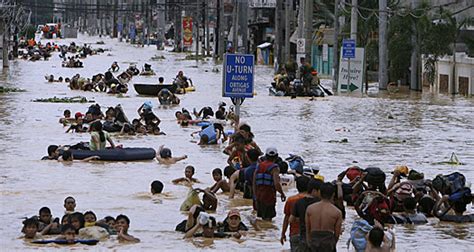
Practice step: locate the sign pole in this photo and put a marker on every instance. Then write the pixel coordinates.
(237, 113)
(349, 75)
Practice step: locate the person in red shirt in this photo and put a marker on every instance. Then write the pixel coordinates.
(266, 182)
(302, 187)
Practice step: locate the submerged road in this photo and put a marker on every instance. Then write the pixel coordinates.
(425, 129)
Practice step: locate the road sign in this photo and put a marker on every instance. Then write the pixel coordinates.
(353, 70)
(348, 48)
(352, 87)
(300, 45)
(238, 76)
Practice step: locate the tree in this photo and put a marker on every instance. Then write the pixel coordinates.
(323, 13)
(399, 47)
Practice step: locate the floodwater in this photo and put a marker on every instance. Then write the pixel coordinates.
(424, 129)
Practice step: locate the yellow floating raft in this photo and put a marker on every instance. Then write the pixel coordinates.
(188, 89)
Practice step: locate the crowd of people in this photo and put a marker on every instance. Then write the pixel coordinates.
(33, 51)
(313, 218)
(315, 215)
(298, 81)
(75, 227)
(101, 82)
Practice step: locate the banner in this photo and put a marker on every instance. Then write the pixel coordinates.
(262, 3)
(187, 31)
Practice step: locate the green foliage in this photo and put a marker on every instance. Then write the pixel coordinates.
(28, 32)
(75, 99)
(470, 45)
(323, 13)
(367, 28)
(437, 36)
(10, 90)
(399, 47)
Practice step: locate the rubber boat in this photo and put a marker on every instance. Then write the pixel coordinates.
(64, 242)
(188, 89)
(117, 154)
(147, 73)
(313, 92)
(152, 89)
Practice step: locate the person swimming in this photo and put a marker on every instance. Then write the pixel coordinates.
(164, 156)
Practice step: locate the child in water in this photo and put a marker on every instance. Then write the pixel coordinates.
(122, 225)
(188, 177)
(220, 182)
(67, 157)
(156, 187)
(67, 117)
(69, 205)
(89, 219)
(68, 233)
(164, 156)
(30, 229)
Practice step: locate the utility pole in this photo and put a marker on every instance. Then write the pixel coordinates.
(221, 37)
(354, 17)
(243, 18)
(147, 29)
(383, 60)
(177, 26)
(84, 24)
(202, 14)
(206, 25)
(217, 31)
(278, 35)
(235, 25)
(308, 30)
(114, 29)
(5, 45)
(98, 17)
(414, 53)
(288, 15)
(196, 26)
(300, 29)
(161, 22)
(335, 47)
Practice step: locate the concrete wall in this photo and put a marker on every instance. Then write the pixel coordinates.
(464, 71)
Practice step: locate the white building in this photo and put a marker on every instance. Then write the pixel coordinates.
(444, 83)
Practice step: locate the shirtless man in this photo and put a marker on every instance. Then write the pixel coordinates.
(163, 156)
(323, 222)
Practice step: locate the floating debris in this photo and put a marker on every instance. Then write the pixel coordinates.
(158, 57)
(75, 99)
(389, 140)
(453, 160)
(344, 140)
(10, 90)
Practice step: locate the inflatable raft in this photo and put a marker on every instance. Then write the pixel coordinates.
(147, 73)
(64, 242)
(188, 89)
(125, 154)
(313, 92)
(152, 89)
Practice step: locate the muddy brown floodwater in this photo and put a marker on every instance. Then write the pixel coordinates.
(424, 129)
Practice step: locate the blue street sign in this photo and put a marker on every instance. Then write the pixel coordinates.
(238, 76)
(348, 48)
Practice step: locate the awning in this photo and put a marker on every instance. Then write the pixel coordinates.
(264, 45)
